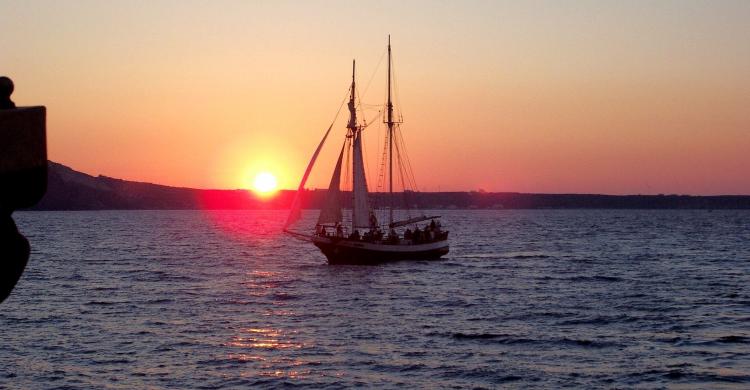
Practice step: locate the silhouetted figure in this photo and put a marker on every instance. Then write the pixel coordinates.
(393, 236)
(6, 89)
(23, 179)
(14, 248)
(14, 254)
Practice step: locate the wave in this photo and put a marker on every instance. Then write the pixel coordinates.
(598, 320)
(596, 278)
(508, 339)
(692, 376)
(733, 339)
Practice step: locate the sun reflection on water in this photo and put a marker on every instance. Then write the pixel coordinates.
(264, 349)
(264, 338)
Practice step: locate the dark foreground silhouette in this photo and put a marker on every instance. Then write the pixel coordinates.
(14, 251)
(23, 179)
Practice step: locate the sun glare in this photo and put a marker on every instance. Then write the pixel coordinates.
(264, 183)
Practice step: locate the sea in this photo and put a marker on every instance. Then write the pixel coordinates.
(525, 299)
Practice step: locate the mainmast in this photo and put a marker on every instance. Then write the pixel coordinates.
(390, 136)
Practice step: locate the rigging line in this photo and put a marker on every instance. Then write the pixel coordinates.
(365, 154)
(374, 72)
(364, 157)
(400, 167)
(396, 92)
(383, 159)
(364, 144)
(408, 160)
(335, 117)
(341, 105)
(361, 108)
(398, 100)
(407, 164)
(402, 164)
(377, 188)
(361, 111)
(383, 163)
(403, 176)
(380, 113)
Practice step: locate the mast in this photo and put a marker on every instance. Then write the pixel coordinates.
(352, 126)
(360, 205)
(390, 136)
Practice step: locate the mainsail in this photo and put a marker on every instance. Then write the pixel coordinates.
(360, 205)
(296, 211)
(331, 212)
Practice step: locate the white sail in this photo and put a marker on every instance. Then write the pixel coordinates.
(331, 211)
(296, 211)
(361, 205)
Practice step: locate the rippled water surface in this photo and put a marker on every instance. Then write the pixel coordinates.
(190, 299)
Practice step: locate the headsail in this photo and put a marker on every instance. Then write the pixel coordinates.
(296, 211)
(331, 212)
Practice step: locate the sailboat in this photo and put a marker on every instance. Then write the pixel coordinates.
(360, 237)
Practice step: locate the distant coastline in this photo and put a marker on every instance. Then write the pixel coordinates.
(72, 190)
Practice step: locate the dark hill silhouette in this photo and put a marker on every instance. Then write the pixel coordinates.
(72, 190)
(68, 189)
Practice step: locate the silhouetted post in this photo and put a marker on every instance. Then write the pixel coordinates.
(23, 179)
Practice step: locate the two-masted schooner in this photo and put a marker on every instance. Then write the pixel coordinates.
(362, 238)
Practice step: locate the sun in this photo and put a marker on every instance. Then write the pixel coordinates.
(264, 183)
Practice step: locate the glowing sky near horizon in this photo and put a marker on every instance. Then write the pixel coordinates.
(563, 97)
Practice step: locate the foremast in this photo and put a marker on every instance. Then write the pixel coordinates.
(362, 216)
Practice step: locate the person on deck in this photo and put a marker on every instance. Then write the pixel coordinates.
(417, 237)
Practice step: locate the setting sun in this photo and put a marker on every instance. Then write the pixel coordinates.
(264, 183)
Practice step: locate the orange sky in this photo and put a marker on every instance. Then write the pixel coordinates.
(584, 97)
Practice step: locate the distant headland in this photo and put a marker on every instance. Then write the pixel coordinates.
(72, 190)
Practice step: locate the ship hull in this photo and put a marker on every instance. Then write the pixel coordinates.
(342, 251)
